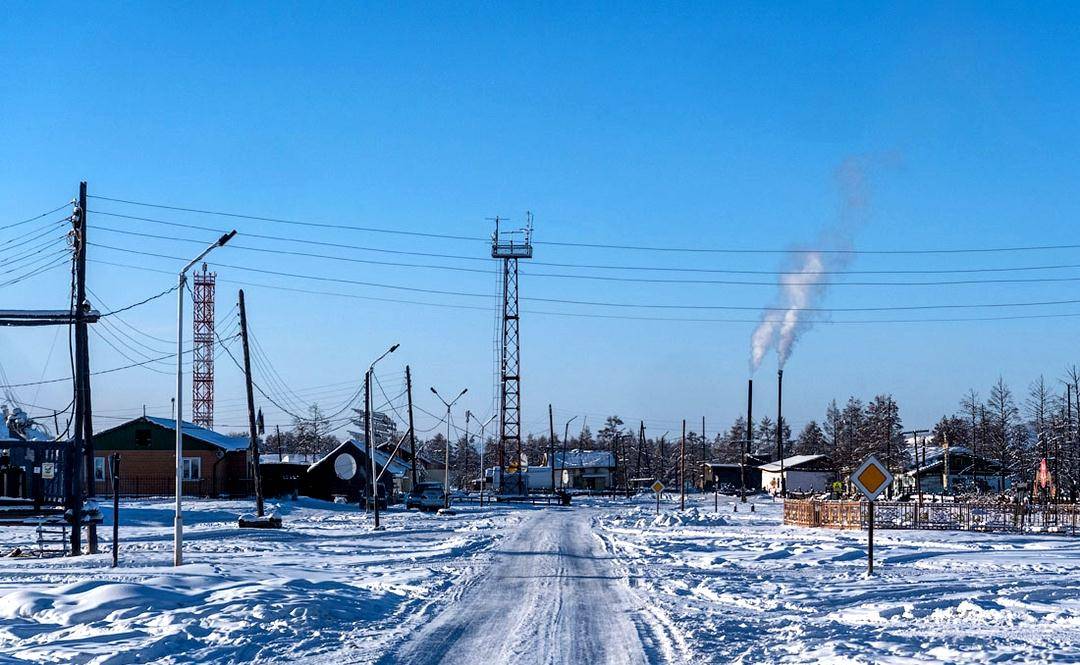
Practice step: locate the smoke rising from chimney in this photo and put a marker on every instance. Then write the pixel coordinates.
(802, 286)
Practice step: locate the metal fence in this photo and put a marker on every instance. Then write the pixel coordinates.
(959, 516)
(165, 486)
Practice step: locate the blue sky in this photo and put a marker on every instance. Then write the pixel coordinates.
(697, 125)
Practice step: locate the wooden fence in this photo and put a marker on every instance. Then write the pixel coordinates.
(959, 516)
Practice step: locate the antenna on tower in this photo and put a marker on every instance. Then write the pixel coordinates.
(509, 247)
(202, 367)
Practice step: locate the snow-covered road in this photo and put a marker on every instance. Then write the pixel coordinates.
(551, 594)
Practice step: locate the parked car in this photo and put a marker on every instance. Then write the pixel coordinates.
(426, 496)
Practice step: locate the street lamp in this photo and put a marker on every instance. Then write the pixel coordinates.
(483, 441)
(446, 461)
(369, 431)
(178, 518)
(565, 438)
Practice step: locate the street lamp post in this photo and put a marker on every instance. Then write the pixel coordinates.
(369, 433)
(483, 442)
(181, 282)
(446, 460)
(566, 436)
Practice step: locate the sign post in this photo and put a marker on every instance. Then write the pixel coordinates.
(871, 479)
(657, 488)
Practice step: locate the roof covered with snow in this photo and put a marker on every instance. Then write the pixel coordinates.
(218, 439)
(581, 459)
(796, 461)
(288, 458)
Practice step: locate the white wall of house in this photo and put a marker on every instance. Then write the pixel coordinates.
(797, 481)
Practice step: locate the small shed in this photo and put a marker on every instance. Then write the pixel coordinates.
(728, 478)
(283, 474)
(584, 469)
(800, 473)
(346, 472)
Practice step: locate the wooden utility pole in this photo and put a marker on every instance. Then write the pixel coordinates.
(114, 467)
(704, 454)
(682, 468)
(254, 444)
(640, 448)
(412, 428)
(82, 462)
(551, 445)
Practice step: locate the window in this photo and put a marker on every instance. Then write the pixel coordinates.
(192, 468)
(99, 468)
(142, 438)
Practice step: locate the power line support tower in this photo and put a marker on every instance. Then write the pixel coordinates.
(202, 366)
(509, 247)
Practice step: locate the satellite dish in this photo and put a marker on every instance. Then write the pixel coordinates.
(345, 466)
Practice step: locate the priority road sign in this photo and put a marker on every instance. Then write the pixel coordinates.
(657, 487)
(871, 478)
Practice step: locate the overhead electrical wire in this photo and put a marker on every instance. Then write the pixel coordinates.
(610, 304)
(594, 245)
(588, 315)
(654, 280)
(35, 217)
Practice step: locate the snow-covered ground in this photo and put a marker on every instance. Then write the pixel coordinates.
(600, 582)
(741, 587)
(324, 586)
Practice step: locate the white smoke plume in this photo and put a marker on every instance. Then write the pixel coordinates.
(803, 285)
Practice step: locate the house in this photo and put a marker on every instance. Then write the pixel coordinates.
(729, 477)
(952, 470)
(346, 472)
(584, 469)
(214, 464)
(801, 473)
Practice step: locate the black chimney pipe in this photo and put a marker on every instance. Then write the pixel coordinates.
(780, 429)
(749, 437)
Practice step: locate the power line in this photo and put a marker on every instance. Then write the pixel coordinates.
(655, 280)
(589, 245)
(587, 315)
(591, 266)
(294, 222)
(36, 217)
(623, 305)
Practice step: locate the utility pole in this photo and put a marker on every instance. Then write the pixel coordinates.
(551, 445)
(682, 468)
(704, 454)
(254, 435)
(640, 448)
(82, 452)
(412, 428)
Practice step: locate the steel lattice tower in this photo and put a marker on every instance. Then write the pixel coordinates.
(202, 366)
(510, 246)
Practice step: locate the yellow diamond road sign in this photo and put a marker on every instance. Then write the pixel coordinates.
(658, 487)
(871, 478)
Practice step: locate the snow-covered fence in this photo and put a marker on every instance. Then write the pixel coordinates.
(960, 516)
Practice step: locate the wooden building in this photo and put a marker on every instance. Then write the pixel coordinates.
(213, 464)
(346, 472)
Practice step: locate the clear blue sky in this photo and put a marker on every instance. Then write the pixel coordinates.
(693, 125)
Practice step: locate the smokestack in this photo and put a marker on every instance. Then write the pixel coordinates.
(780, 429)
(749, 437)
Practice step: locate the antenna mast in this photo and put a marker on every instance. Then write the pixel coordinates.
(509, 247)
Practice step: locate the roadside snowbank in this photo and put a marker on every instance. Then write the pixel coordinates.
(750, 589)
(326, 586)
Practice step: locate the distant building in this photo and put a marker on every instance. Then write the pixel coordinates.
(800, 473)
(346, 472)
(213, 464)
(580, 469)
(728, 478)
(960, 472)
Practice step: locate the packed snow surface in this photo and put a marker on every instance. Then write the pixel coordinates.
(600, 582)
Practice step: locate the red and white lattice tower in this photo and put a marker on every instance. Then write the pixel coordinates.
(202, 366)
